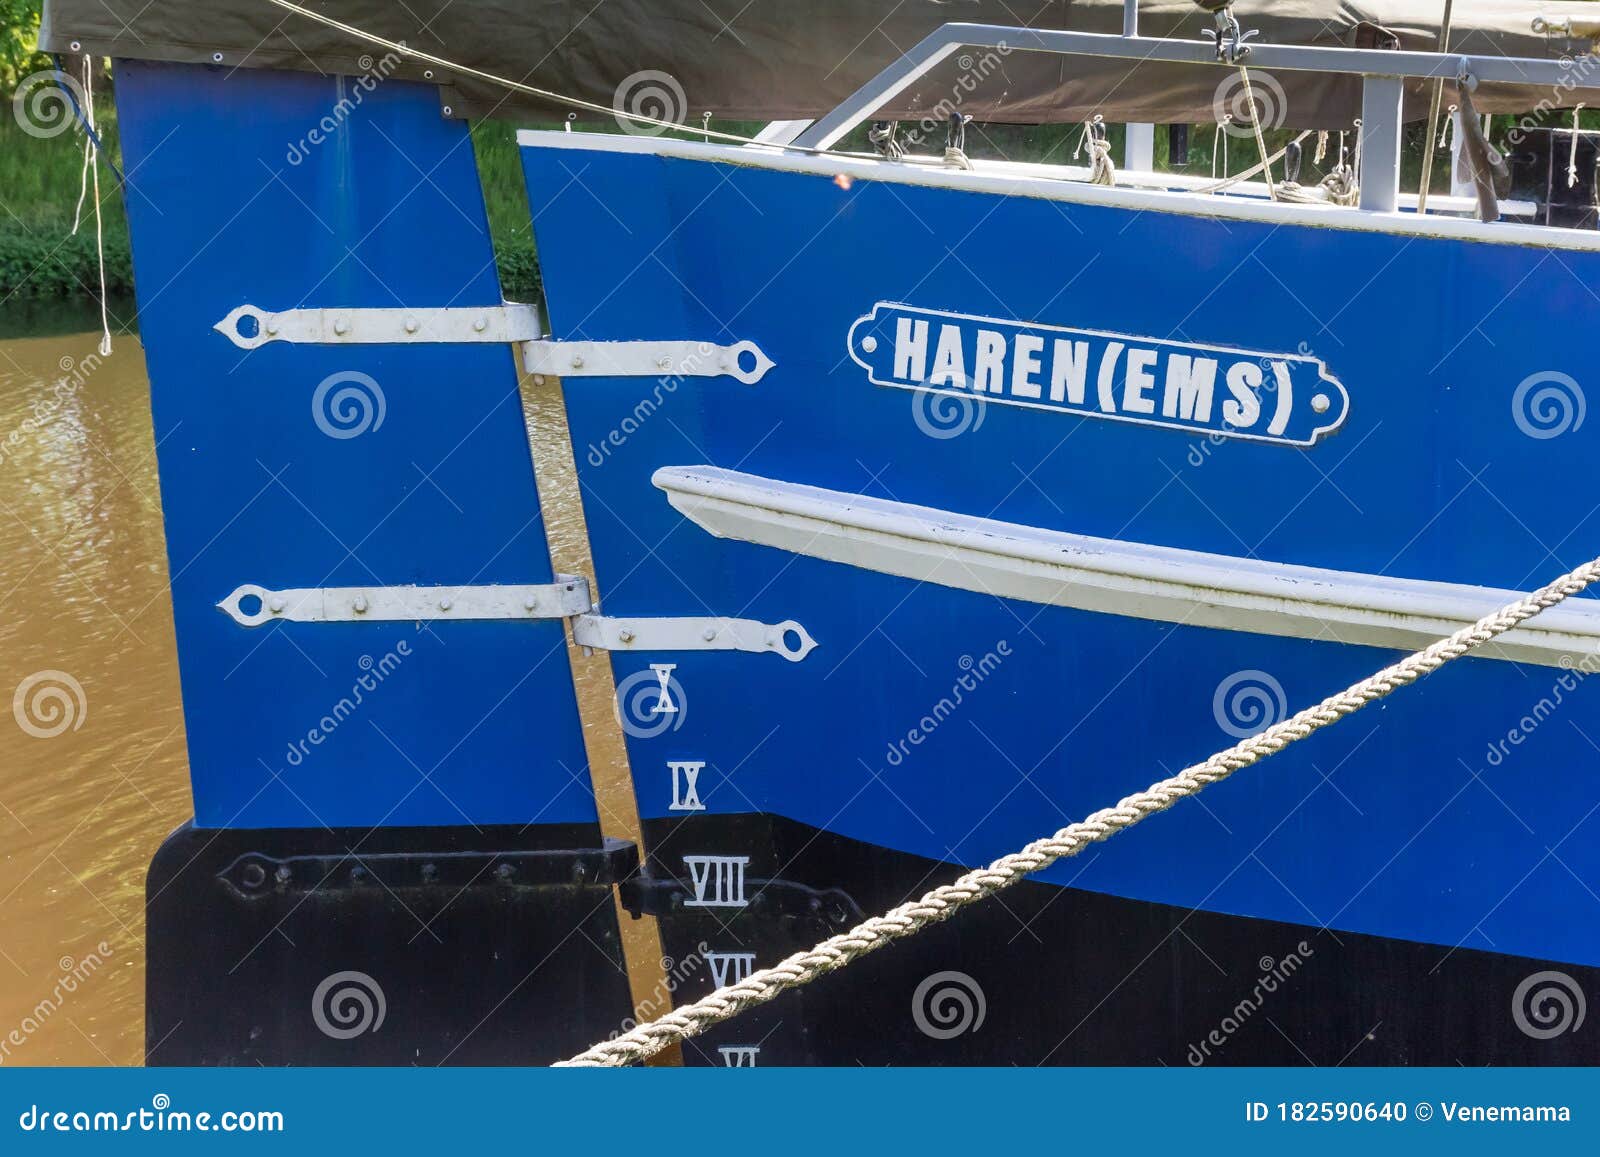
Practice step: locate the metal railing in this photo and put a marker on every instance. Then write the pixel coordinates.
(1383, 72)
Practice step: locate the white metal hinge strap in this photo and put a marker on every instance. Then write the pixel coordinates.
(743, 361)
(788, 639)
(248, 327)
(568, 597)
(562, 599)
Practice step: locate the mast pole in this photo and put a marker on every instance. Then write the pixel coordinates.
(1139, 151)
(1433, 114)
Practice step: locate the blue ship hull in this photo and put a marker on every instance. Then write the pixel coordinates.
(1055, 369)
(1420, 821)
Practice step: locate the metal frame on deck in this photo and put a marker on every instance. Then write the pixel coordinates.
(1381, 105)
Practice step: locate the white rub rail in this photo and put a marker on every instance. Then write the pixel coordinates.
(1164, 584)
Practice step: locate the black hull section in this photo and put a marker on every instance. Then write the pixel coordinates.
(426, 946)
(1069, 977)
(451, 946)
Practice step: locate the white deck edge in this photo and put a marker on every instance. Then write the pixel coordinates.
(990, 177)
(1164, 584)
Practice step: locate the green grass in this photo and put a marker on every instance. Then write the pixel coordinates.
(39, 180)
(506, 199)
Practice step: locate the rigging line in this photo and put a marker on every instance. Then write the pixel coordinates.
(1218, 186)
(88, 156)
(89, 130)
(528, 89)
(91, 172)
(1572, 160)
(941, 903)
(1261, 140)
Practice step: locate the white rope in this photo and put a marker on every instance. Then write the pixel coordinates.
(1218, 186)
(1219, 147)
(1102, 169)
(83, 173)
(91, 160)
(943, 902)
(1255, 123)
(1572, 160)
(1337, 188)
(954, 158)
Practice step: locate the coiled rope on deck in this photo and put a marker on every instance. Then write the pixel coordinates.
(943, 902)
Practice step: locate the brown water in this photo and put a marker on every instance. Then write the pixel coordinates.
(92, 762)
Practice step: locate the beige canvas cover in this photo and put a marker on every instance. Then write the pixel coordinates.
(794, 59)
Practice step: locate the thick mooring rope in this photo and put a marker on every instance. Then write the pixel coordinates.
(943, 902)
